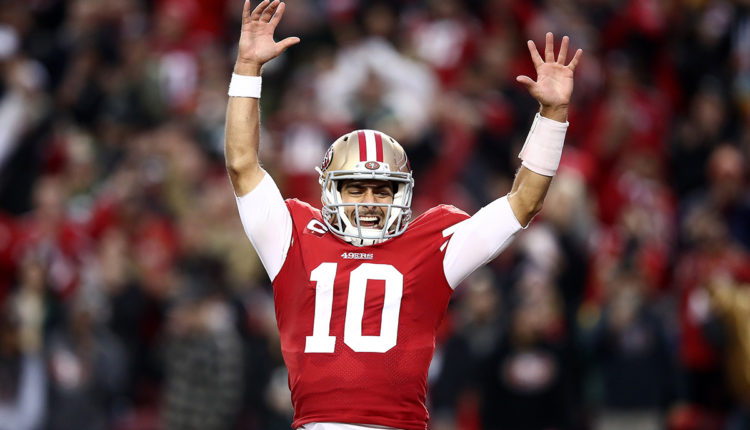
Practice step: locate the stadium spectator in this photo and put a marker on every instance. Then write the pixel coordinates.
(631, 346)
(22, 371)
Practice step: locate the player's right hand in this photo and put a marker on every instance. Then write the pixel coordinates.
(256, 39)
(554, 82)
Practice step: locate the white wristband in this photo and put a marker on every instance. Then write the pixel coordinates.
(543, 147)
(245, 86)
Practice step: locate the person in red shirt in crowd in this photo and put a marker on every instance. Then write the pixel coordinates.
(359, 288)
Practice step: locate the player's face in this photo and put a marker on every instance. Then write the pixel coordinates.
(367, 191)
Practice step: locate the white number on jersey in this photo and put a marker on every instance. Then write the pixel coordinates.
(324, 276)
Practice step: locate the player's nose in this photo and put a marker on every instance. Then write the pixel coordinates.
(369, 196)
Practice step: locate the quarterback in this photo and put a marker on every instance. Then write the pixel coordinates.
(359, 286)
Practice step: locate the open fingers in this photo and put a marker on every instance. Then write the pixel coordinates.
(549, 48)
(563, 54)
(535, 57)
(255, 15)
(269, 11)
(576, 58)
(289, 41)
(277, 16)
(525, 80)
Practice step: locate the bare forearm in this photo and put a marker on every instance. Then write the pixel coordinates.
(242, 138)
(557, 113)
(527, 195)
(530, 188)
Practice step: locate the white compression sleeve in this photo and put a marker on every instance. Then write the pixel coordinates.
(479, 239)
(267, 224)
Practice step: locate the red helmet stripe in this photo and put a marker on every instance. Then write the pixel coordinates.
(362, 146)
(378, 146)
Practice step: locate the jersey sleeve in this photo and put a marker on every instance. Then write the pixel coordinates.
(477, 240)
(267, 223)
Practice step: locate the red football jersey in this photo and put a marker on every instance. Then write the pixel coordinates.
(358, 324)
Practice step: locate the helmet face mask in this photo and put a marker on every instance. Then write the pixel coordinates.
(365, 155)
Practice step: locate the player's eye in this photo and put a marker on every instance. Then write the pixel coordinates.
(354, 191)
(384, 192)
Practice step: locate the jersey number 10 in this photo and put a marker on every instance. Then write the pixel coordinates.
(324, 276)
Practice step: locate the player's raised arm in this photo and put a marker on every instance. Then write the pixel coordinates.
(256, 47)
(482, 237)
(543, 148)
(264, 215)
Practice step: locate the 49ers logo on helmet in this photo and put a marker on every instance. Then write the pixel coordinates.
(372, 165)
(327, 158)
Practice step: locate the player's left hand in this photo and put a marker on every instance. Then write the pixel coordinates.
(554, 80)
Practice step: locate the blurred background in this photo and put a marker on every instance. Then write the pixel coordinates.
(131, 300)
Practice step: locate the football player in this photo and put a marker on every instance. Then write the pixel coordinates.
(360, 287)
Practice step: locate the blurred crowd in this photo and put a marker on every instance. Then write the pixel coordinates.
(130, 298)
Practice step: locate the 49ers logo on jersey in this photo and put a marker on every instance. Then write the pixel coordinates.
(357, 256)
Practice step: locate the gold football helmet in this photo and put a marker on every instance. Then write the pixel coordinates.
(365, 154)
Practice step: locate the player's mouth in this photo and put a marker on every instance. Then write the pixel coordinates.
(369, 221)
